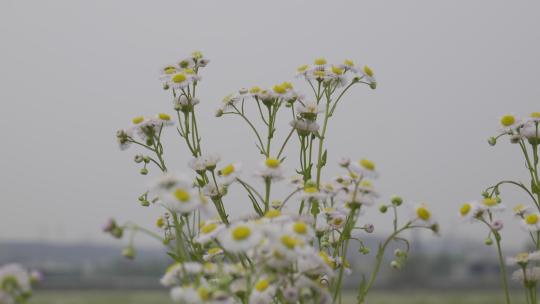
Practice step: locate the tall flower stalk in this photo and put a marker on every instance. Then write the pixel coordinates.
(525, 134)
(289, 248)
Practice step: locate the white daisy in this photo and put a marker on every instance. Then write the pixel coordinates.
(305, 127)
(230, 172)
(262, 293)
(531, 222)
(308, 109)
(523, 258)
(271, 169)
(209, 231)
(240, 237)
(509, 123)
(365, 168)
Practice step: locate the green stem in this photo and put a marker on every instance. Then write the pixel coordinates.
(502, 266)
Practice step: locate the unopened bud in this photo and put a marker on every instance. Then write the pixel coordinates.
(492, 141)
(396, 200)
(369, 228)
(144, 171)
(395, 265)
(488, 241)
(129, 253)
(383, 208)
(138, 158)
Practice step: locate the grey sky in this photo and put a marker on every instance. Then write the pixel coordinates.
(73, 72)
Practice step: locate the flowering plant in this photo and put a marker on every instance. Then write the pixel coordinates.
(525, 134)
(290, 248)
(16, 283)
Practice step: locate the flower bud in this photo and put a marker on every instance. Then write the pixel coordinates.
(395, 264)
(344, 162)
(383, 208)
(492, 141)
(219, 113)
(145, 203)
(373, 85)
(138, 158)
(117, 232)
(497, 225)
(488, 241)
(396, 200)
(129, 252)
(514, 139)
(146, 159)
(165, 86)
(364, 250)
(144, 171)
(369, 228)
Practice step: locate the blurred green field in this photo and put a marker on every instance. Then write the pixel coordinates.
(157, 297)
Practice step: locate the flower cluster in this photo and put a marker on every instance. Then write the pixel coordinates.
(16, 283)
(290, 247)
(525, 133)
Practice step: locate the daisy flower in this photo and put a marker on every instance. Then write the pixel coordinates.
(531, 222)
(230, 172)
(209, 231)
(240, 237)
(308, 109)
(490, 204)
(305, 127)
(422, 214)
(532, 275)
(523, 258)
(509, 123)
(301, 230)
(271, 169)
(365, 168)
(262, 293)
(468, 211)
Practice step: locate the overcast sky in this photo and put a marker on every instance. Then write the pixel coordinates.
(73, 72)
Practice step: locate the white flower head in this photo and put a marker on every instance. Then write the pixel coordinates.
(531, 222)
(240, 237)
(230, 172)
(209, 231)
(364, 168)
(271, 169)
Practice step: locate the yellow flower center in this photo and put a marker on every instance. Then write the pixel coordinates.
(532, 219)
(348, 62)
(327, 259)
(197, 54)
(179, 78)
(337, 70)
(423, 213)
(302, 68)
(182, 195)
(214, 250)
(465, 209)
(189, 71)
(208, 228)
(241, 233)
(367, 164)
(289, 241)
(169, 70)
(490, 202)
(519, 208)
(280, 89)
(320, 61)
(311, 190)
(262, 285)
(272, 163)
(300, 228)
(366, 183)
(508, 120)
(228, 170)
(535, 114)
(337, 221)
(160, 222)
(272, 213)
(368, 71)
(164, 116)
(204, 294)
(319, 73)
(255, 90)
(137, 120)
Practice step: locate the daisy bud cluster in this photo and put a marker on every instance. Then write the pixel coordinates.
(523, 132)
(285, 246)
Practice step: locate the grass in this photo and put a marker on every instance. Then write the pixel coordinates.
(158, 297)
